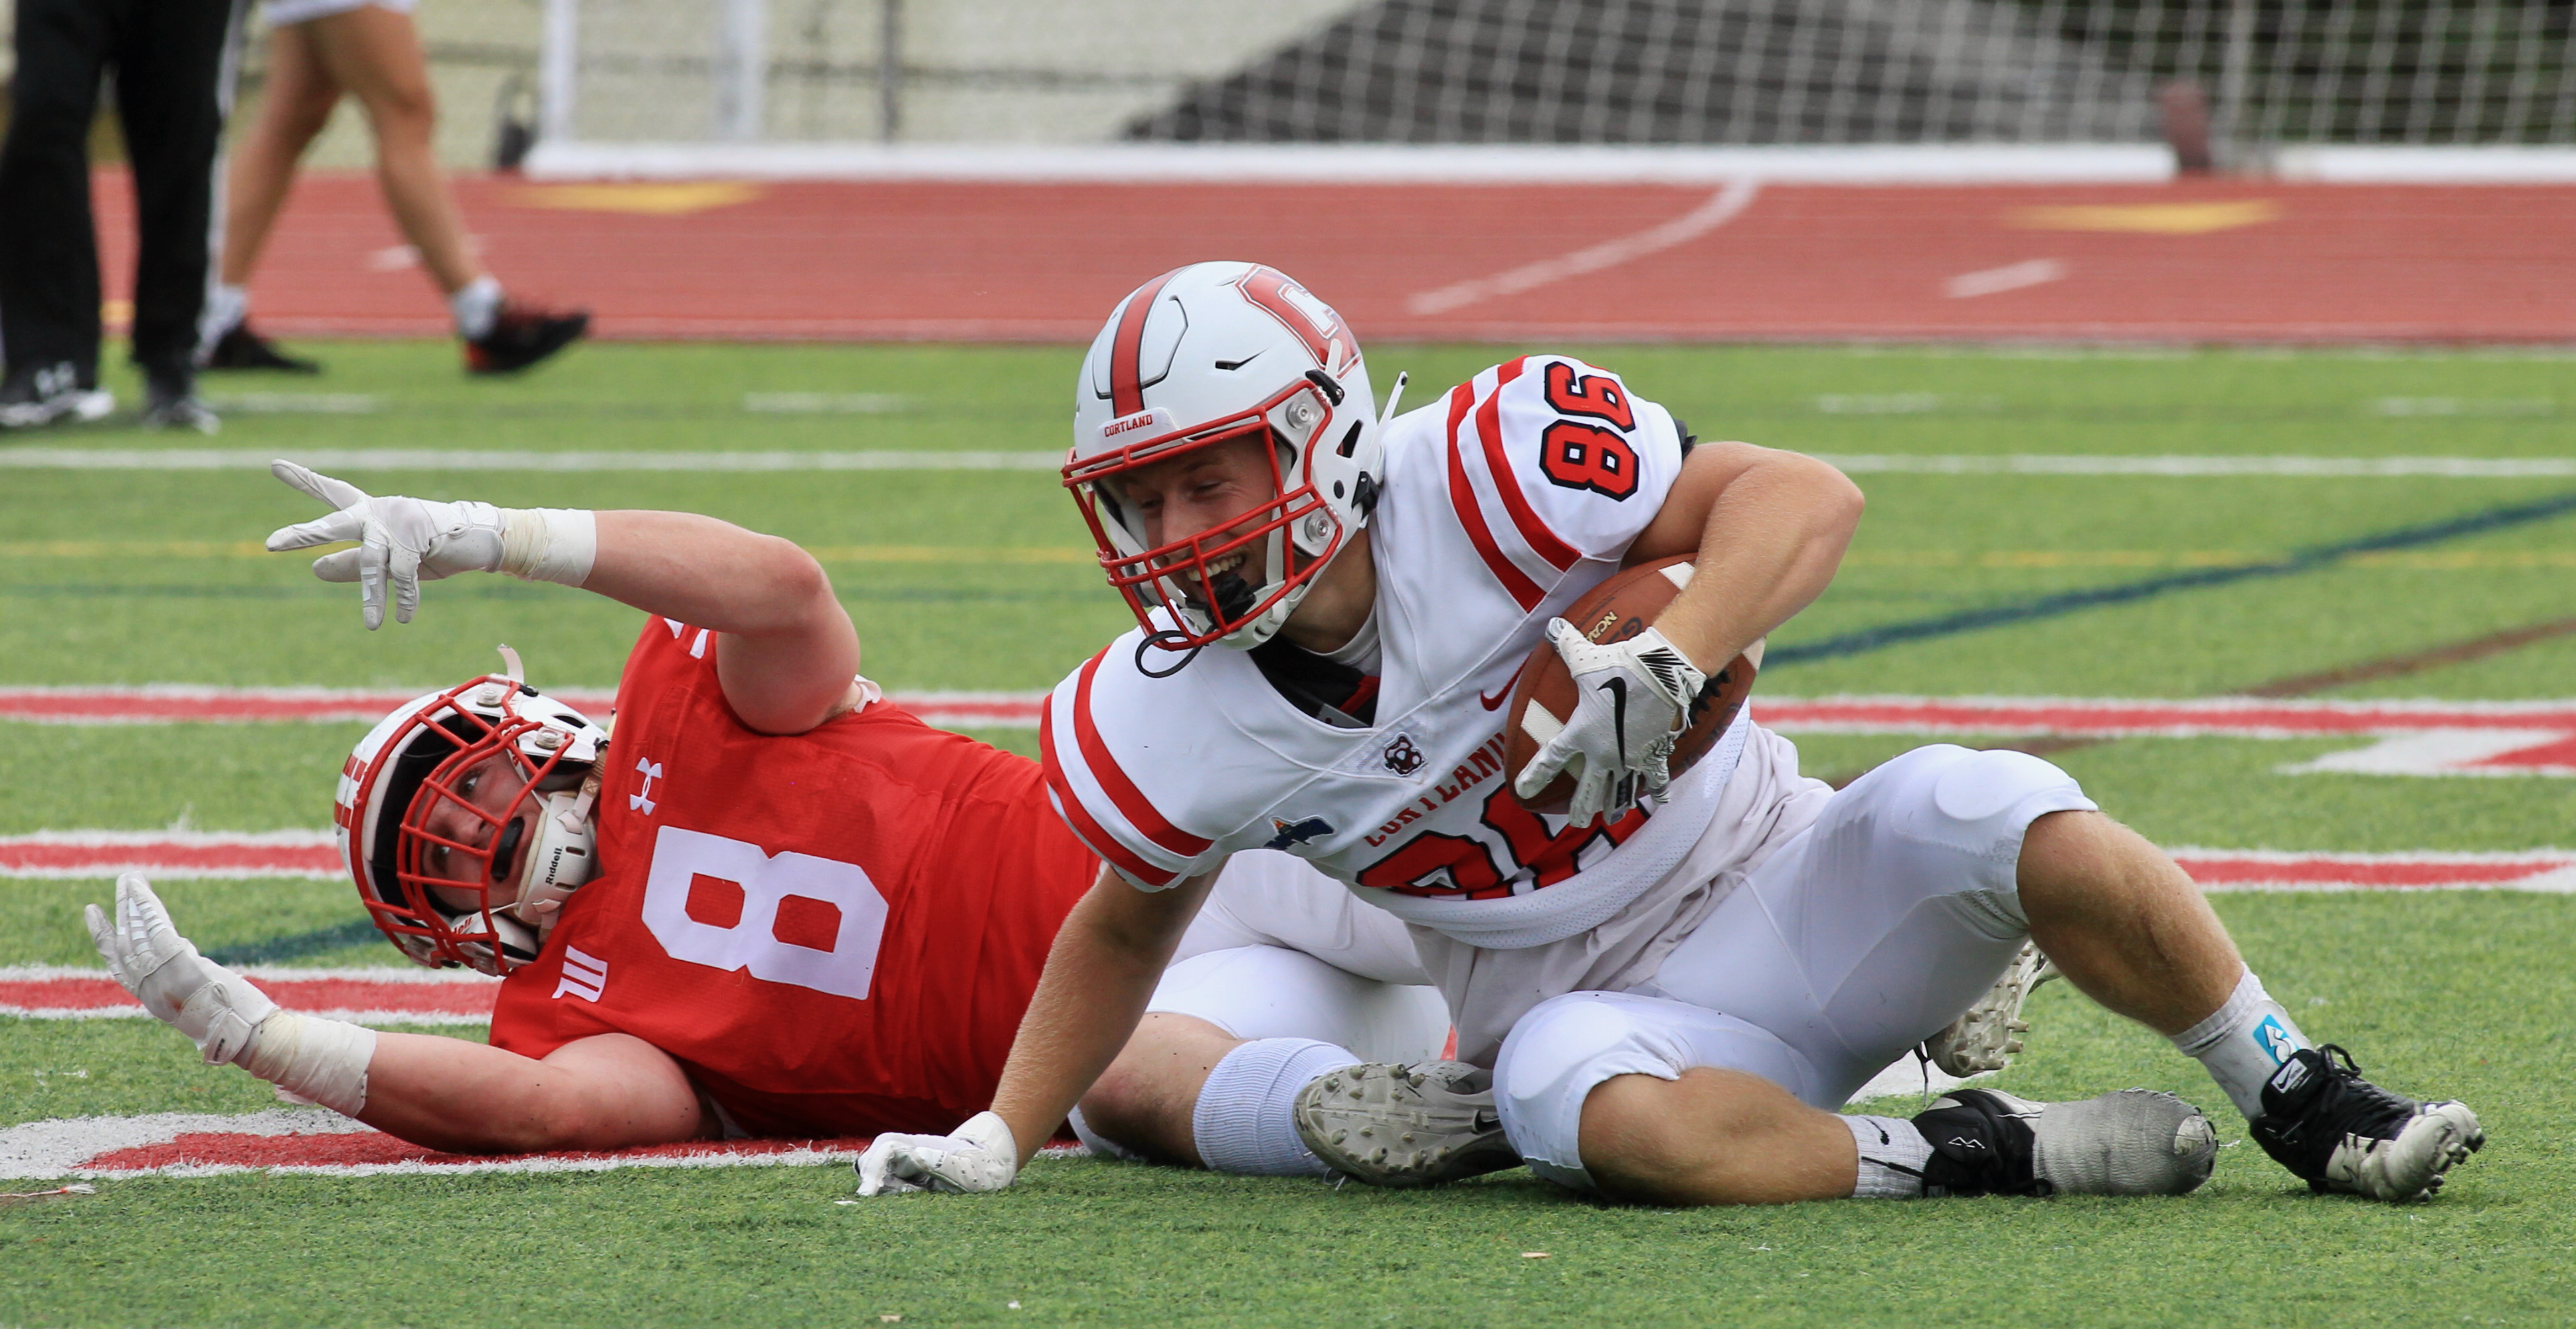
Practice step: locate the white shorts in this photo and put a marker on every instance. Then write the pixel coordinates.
(281, 13)
(1282, 951)
(1858, 939)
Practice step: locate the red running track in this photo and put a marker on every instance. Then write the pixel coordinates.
(2203, 261)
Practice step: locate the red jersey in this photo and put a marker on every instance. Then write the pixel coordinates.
(835, 932)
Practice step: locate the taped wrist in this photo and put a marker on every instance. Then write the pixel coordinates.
(549, 544)
(317, 1060)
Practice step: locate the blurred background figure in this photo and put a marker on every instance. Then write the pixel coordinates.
(320, 50)
(167, 57)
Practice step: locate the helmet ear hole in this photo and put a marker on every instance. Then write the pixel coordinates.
(1350, 444)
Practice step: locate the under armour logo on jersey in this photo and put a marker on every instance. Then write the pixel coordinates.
(1401, 756)
(642, 799)
(1297, 833)
(584, 975)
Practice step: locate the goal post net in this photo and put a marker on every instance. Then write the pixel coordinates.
(713, 73)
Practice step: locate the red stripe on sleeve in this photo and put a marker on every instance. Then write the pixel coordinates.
(1132, 803)
(1471, 514)
(1489, 430)
(1126, 394)
(1079, 819)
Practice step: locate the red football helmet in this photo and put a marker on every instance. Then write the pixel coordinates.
(1194, 358)
(429, 855)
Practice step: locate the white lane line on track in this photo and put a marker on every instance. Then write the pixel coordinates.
(1722, 207)
(2010, 277)
(2015, 463)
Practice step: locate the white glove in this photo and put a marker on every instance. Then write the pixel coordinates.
(409, 540)
(216, 1008)
(1631, 699)
(981, 1156)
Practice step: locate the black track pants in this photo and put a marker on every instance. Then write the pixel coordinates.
(168, 56)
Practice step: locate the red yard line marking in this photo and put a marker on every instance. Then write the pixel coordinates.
(170, 854)
(82, 996)
(212, 1149)
(883, 260)
(184, 704)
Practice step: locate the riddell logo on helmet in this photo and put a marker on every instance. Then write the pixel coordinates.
(1152, 417)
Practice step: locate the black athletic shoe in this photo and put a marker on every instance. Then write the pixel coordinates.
(2339, 1132)
(242, 348)
(521, 336)
(170, 401)
(37, 395)
(2134, 1142)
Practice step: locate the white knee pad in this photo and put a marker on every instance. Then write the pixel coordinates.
(1979, 804)
(1566, 1045)
(1257, 992)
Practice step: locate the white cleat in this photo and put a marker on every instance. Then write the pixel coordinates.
(1989, 1033)
(1405, 1125)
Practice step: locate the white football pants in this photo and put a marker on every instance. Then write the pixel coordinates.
(1283, 951)
(1861, 937)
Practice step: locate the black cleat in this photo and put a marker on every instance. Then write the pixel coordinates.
(522, 335)
(170, 401)
(2339, 1132)
(2134, 1142)
(242, 348)
(38, 395)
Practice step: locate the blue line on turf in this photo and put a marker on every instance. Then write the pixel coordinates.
(2068, 602)
(298, 946)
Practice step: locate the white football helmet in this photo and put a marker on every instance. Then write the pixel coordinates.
(1193, 358)
(437, 907)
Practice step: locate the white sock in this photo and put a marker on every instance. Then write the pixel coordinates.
(2243, 1042)
(226, 307)
(1892, 1155)
(315, 1060)
(474, 305)
(1245, 1118)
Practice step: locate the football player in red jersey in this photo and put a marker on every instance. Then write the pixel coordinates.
(782, 907)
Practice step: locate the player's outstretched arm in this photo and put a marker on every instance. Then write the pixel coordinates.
(607, 1091)
(1107, 957)
(786, 651)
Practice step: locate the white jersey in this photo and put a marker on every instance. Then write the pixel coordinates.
(1502, 504)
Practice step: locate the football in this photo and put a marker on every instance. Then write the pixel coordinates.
(1616, 610)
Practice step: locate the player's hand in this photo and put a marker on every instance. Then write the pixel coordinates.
(981, 1156)
(1631, 698)
(216, 1008)
(406, 541)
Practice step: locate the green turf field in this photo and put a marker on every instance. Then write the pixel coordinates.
(981, 580)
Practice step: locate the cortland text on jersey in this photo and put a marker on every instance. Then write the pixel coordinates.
(1503, 503)
(835, 932)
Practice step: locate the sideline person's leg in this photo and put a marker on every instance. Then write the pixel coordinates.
(374, 51)
(170, 102)
(294, 108)
(49, 285)
(1282, 978)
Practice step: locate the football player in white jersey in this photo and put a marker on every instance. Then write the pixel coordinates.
(1663, 996)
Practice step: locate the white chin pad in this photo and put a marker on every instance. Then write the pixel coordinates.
(565, 855)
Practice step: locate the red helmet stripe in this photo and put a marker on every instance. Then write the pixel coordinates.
(1126, 349)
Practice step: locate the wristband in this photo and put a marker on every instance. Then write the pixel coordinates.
(549, 544)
